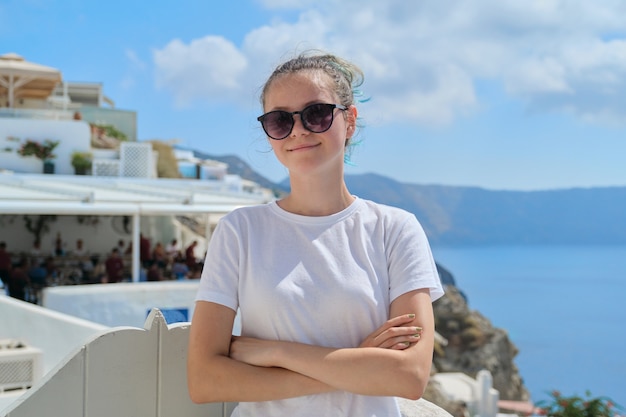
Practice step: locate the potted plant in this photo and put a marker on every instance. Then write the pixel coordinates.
(81, 161)
(44, 151)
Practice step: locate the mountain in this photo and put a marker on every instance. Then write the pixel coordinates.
(477, 216)
(469, 215)
(239, 167)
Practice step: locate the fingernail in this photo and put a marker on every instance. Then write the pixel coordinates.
(418, 330)
(407, 344)
(417, 336)
(411, 316)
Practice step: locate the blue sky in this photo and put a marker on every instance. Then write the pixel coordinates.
(498, 94)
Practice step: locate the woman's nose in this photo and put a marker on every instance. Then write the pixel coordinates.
(298, 127)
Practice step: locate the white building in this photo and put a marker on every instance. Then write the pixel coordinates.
(122, 197)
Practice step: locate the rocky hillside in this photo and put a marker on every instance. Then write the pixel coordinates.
(474, 344)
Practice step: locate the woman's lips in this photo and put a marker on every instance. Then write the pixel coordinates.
(304, 147)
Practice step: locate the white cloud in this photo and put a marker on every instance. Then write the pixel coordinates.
(207, 68)
(537, 76)
(587, 79)
(422, 59)
(269, 45)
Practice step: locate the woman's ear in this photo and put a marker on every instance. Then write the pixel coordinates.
(351, 119)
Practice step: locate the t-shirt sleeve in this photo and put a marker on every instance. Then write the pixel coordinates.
(410, 260)
(220, 275)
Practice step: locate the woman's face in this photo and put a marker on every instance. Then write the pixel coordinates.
(303, 151)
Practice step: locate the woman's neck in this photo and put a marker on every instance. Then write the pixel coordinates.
(316, 196)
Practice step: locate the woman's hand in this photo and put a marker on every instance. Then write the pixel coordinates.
(393, 335)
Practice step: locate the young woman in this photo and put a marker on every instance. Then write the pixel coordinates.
(334, 292)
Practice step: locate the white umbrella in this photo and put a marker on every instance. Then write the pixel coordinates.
(23, 79)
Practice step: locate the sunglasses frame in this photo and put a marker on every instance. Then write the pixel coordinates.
(303, 121)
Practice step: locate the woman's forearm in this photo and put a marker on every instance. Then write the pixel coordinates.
(213, 376)
(365, 371)
(223, 379)
(362, 370)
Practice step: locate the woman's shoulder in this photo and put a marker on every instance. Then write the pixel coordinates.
(247, 213)
(385, 210)
(253, 210)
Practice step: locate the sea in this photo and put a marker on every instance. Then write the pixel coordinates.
(564, 307)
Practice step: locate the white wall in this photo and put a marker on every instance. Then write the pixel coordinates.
(73, 136)
(98, 238)
(124, 304)
(54, 333)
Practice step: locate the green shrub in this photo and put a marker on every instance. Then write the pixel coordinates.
(43, 151)
(575, 406)
(82, 160)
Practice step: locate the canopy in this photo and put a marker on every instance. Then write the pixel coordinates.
(23, 79)
(36, 194)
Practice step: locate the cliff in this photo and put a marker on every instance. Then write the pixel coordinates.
(473, 344)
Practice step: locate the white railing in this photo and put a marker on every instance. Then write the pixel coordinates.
(36, 114)
(105, 168)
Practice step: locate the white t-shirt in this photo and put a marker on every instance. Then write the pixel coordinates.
(326, 281)
(172, 249)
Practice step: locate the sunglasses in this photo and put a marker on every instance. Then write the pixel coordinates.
(316, 118)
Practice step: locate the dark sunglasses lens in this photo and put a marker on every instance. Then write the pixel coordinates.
(318, 117)
(278, 124)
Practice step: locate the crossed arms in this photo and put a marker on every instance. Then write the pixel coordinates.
(392, 361)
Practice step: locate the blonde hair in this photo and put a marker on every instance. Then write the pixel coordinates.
(346, 77)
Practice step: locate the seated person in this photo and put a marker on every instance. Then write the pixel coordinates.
(154, 273)
(38, 274)
(114, 266)
(180, 270)
(19, 281)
